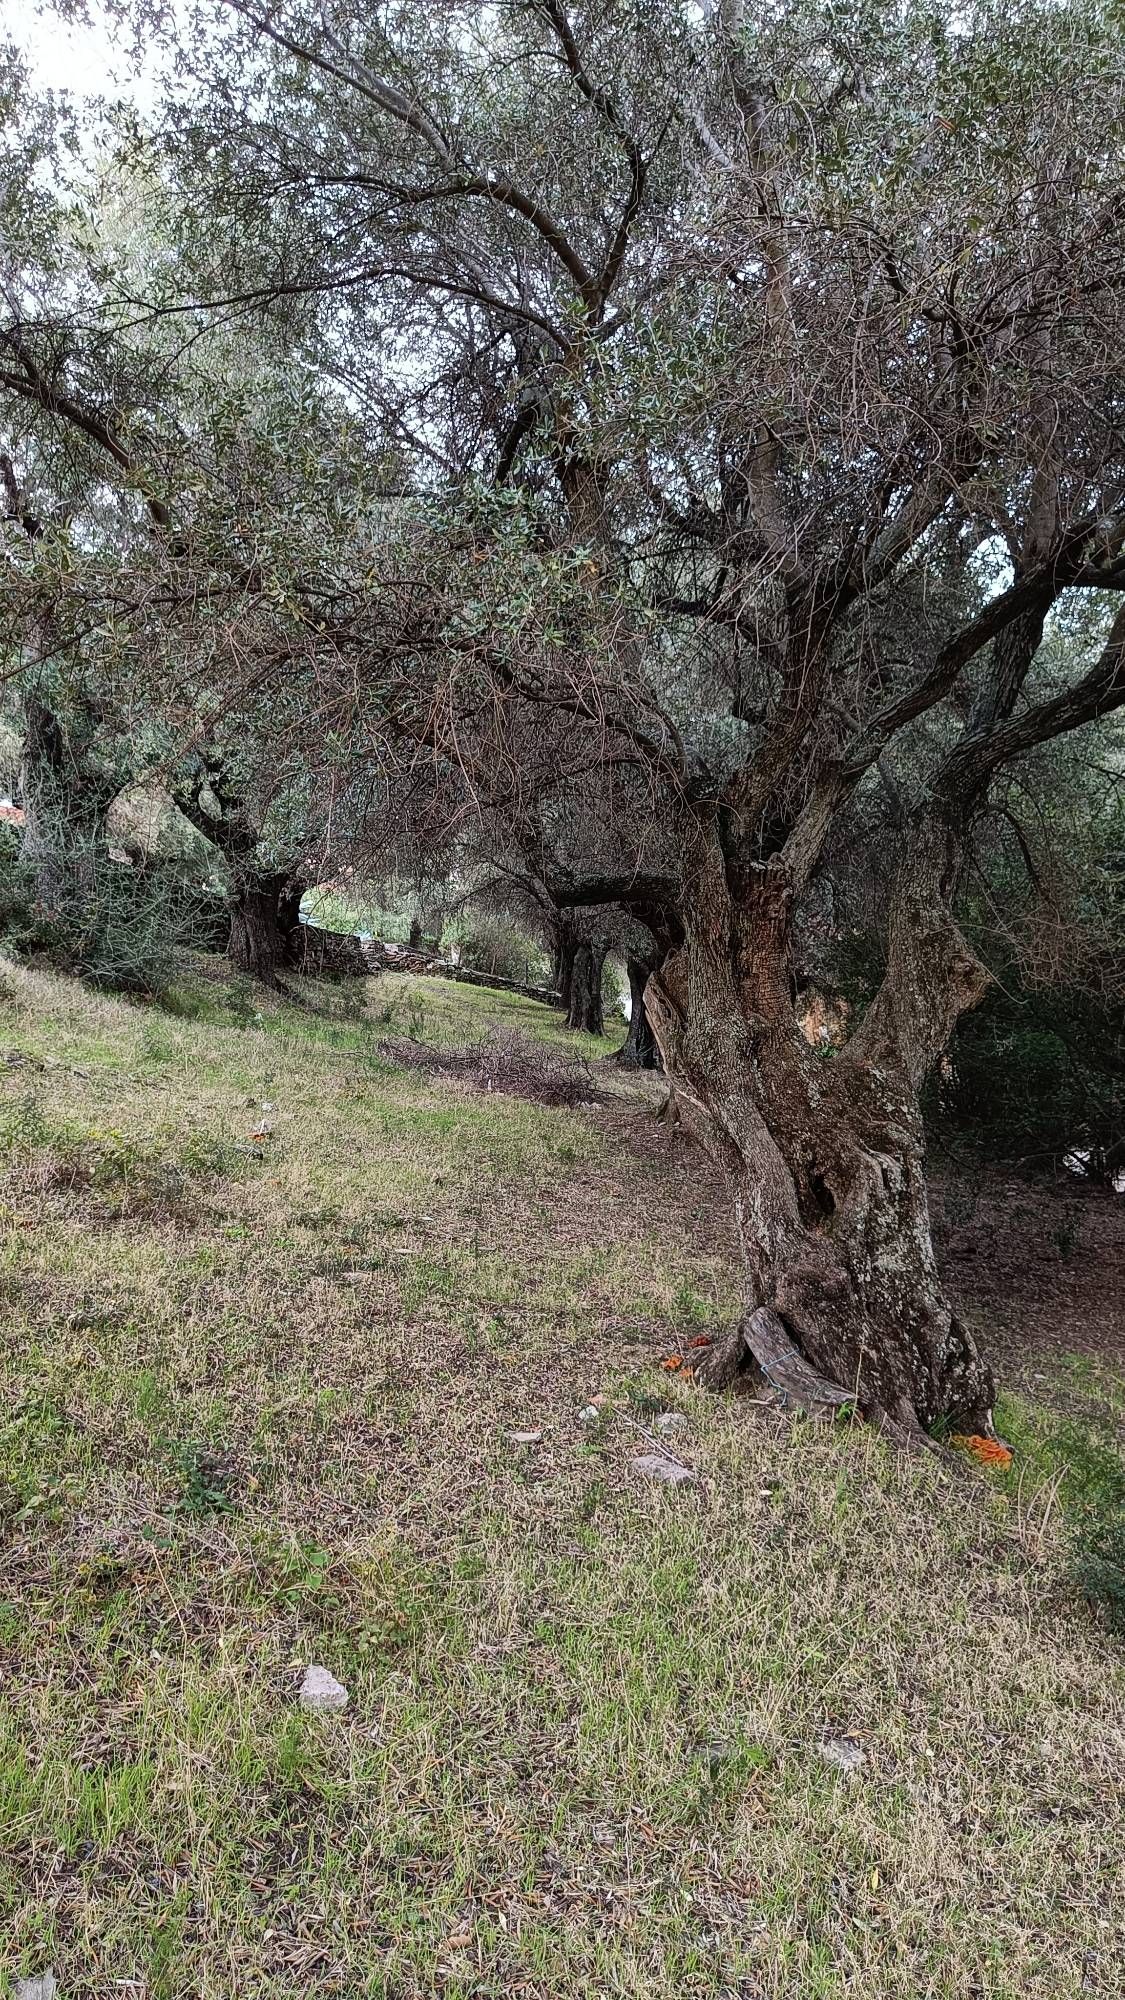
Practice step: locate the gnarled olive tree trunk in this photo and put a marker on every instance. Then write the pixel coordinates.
(638, 1050)
(584, 1010)
(826, 1152)
(260, 910)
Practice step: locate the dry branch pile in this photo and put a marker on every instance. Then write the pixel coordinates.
(506, 1061)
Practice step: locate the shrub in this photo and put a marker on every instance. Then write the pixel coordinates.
(116, 926)
(497, 946)
(1031, 1075)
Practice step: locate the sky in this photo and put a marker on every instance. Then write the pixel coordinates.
(80, 59)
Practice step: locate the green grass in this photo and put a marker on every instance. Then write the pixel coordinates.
(255, 1412)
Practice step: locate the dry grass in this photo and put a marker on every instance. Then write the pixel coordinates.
(257, 1397)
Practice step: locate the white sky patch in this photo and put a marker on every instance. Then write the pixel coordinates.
(81, 58)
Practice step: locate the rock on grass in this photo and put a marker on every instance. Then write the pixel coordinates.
(321, 1692)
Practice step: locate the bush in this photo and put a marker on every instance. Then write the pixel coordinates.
(21, 919)
(497, 946)
(1031, 1075)
(116, 926)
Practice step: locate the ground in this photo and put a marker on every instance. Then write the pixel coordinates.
(259, 1401)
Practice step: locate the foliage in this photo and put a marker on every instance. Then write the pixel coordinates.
(205, 1481)
(1035, 1075)
(498, 945)
(22, 924)
(121, 927)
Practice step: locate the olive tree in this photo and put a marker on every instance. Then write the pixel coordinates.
(759, 372)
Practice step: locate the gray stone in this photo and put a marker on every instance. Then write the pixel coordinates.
(843, 1753)
(42, 1986)
(321, 1692)
(654, 1465)
(671, 1420)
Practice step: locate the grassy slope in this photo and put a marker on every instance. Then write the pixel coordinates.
(254, 1406)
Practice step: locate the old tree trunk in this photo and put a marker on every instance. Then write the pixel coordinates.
(584, 987)
(826, 1152)
(259, 922)
(638, 1050)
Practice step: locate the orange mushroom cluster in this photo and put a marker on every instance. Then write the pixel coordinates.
(675, 1364)
(988, 1451)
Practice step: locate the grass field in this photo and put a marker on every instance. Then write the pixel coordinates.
(257, 1405)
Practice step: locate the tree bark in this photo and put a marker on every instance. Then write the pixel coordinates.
(566, 946)
(257, 944)
(265, 903)
(638, 1050)
(289, 903)
(584, 1012)
(826, 1152)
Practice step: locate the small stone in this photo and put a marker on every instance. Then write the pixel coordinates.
(843, 1753)
(525, 1437)
(43, 1986)
(589, 1415)
(671, 1420)
(655, 1466)
(321, 1692)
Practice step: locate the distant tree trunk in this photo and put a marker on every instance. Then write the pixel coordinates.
(826, 1156)
(638, 1050)
(585, 1009)
(566, 945)
(264, 903)
(257, 943)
